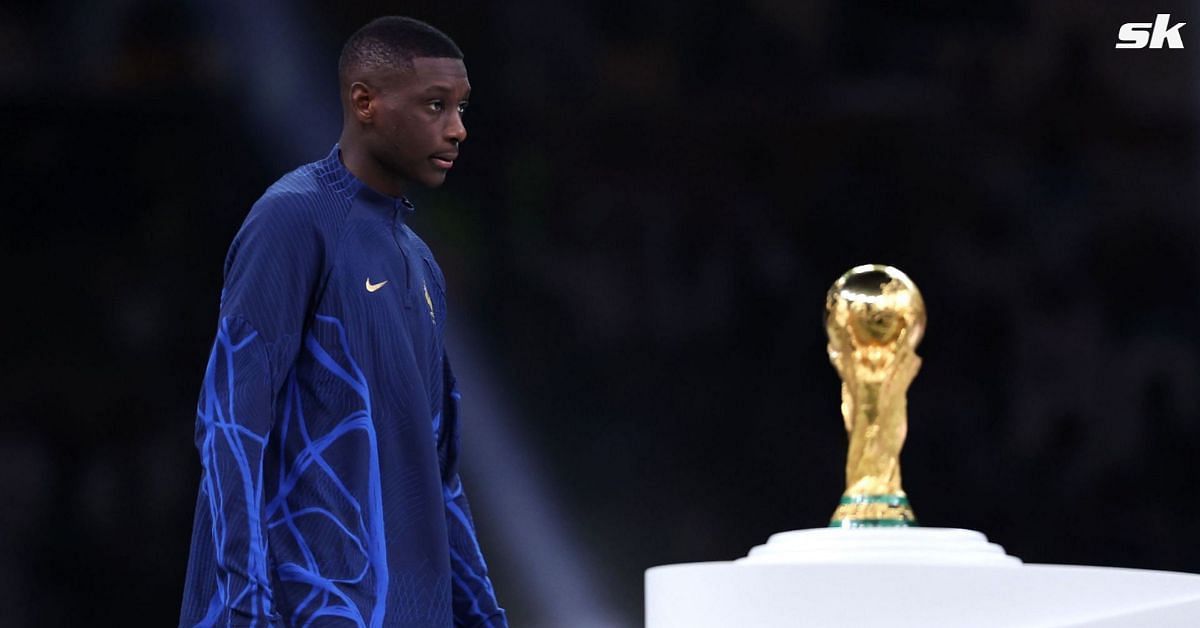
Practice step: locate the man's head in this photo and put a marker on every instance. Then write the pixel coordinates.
(404, 89)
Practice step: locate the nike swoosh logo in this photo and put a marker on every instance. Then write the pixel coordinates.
(372, 287)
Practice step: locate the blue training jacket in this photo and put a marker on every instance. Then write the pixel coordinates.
(327, 425)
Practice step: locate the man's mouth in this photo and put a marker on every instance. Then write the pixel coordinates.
(445, 160)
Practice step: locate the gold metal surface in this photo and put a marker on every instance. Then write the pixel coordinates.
(875, 317)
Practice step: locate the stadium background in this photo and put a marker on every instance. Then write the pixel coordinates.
(652, 202)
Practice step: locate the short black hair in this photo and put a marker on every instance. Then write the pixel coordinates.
(393, 41)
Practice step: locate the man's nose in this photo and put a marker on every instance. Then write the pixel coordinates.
(456, 131)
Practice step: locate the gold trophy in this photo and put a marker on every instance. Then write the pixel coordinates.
(875, 317)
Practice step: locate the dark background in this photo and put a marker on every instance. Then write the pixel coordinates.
(652, 202)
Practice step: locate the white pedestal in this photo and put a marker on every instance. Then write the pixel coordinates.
(900, 577)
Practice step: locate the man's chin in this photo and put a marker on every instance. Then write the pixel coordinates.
(434, 180)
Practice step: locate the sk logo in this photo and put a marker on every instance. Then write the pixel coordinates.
(429, 301)
(1139, 35)
(372, 287)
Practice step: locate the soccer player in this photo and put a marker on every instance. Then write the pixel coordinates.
(328, 417)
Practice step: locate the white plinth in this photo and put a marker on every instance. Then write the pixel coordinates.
(887, 546)
(900, 577)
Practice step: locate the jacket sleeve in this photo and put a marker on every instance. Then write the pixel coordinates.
(271, 273)
(474, 599)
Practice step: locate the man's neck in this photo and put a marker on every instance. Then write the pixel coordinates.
(355, 158)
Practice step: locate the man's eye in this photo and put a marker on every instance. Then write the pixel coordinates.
(462, 107)
(436, 105)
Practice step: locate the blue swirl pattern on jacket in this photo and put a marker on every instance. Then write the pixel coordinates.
(327, 425)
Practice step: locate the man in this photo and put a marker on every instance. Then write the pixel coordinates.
(328, 418)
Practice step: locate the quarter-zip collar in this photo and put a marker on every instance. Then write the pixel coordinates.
(335, 173)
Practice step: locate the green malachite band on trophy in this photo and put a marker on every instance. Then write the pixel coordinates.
(891, 500)
(873, 523)
(873, 511)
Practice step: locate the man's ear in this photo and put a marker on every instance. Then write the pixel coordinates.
(362, 102)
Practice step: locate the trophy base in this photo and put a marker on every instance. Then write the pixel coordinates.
(882, 545)
(873, 511)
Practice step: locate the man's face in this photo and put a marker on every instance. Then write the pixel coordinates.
(418, 122)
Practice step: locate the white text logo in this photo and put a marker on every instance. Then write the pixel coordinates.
(1139, 34)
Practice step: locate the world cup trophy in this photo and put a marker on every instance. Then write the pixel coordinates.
(874, 317)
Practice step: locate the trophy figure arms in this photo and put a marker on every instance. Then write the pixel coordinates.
(876, 418)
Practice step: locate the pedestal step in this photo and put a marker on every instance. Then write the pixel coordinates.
(881, 546)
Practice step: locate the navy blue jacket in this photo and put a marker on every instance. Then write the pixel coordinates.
(327, 425)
